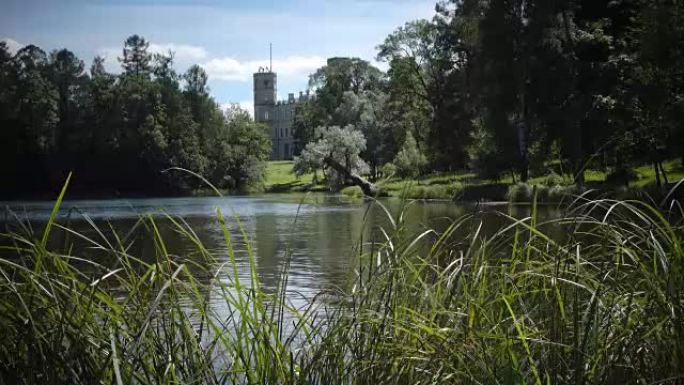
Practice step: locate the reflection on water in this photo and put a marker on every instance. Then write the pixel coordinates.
(320, 231)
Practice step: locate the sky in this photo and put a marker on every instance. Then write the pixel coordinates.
(228, 38)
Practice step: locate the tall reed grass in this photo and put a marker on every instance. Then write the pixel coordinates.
(604, 305)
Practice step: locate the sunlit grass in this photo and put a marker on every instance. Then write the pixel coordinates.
(280, 178)
(433, 186)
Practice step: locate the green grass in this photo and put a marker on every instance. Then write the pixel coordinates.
(646, 174)
(602, 305)
(433, 186)
(459, 185)
(280, 178)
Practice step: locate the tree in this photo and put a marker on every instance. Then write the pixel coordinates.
(428, 89)
(365, 111)
(658, 81)
(342, 74)
(196, 81)
(241, 152)
(68, 75)
(119, 133)
(343, 145)
(37, 107)
(410, 161)
(97, 68)
(136, 60)
(163, 66)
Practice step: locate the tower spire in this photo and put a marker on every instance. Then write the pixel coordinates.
(270, 55)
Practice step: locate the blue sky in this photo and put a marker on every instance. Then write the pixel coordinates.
(228, 38)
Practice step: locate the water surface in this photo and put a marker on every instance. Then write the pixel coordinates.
(321, 233)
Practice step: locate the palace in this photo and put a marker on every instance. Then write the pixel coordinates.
(277, 114)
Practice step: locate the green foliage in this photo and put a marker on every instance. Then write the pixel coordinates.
(118, 133)
(432, 192)
(343, 145)
(553, 179)
(388, 170)
(410, 161)
(600, 304)
(485, 155)
(503, 87)
(518, 307)
(352, 192)
(525, 193)
(136, 60)
(349, 91)
(520, 193)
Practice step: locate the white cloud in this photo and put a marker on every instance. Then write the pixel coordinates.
(184, 55)
(12, 45)
(231, 69)
(246, 105)
(111, 61)
(249, 106)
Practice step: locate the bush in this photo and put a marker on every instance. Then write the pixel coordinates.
(388, 170)
(441, 192)
(352, 191)
(521, 192)
(553, 179)
(410, 161)
(559, 193)
(524, 193)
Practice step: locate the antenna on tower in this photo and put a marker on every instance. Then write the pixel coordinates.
(270, 55)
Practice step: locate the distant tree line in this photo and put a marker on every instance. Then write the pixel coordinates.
(118, 133)
(514, 87)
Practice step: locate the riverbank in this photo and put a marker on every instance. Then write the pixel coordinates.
(468, 187)
(601, 303)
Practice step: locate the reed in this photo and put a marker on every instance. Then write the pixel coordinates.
(604, 305)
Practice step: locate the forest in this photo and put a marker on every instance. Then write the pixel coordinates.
(510, 88)
(120, 134)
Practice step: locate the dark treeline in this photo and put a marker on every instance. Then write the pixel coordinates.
(516, 87)
(118, 132)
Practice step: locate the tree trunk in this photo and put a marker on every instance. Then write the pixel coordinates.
(577, 154)
(523, 134)
(368, 188)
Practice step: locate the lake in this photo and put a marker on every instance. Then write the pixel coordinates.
(320, 232)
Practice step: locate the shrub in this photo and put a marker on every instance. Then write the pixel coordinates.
(410, 161)
(559, 193)
(553, 179)
(520, 192)
(352, 191)
(441, 192)
(388, 170)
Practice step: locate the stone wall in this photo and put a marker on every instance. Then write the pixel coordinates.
(278, 115)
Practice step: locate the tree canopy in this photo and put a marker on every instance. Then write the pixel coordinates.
(119, 133)
(518, 87)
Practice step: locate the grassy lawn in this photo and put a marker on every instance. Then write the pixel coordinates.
(646, 174)
(280, 178)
